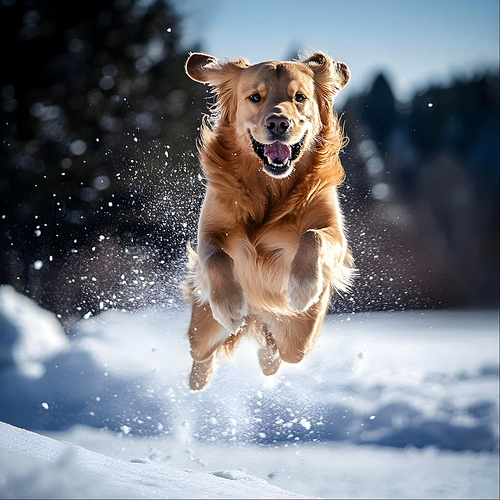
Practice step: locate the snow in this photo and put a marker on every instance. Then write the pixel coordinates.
(121, 479)
(25, 343)
(393, 405)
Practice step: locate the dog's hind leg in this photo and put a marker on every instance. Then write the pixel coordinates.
(296, 335)
(269, 356)
(206, 335)
(201, 373)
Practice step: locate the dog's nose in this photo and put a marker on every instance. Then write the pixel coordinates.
(277, 125)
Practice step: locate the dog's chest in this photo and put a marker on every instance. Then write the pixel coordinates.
(268, 243)
(262, 259)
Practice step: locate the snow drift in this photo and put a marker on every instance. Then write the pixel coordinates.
(387, 381)
(414, 378)
(35, 466)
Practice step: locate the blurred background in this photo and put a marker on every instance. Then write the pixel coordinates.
(100, 186)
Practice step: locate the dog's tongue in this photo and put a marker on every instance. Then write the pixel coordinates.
(277, 152)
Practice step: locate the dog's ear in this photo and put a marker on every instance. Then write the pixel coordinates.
(221, 75)
(208, 69)
(329, 75)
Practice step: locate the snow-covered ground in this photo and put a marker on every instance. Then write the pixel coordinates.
(387, 405)
(35, 466)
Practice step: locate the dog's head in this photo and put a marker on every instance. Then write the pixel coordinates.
(278, 109)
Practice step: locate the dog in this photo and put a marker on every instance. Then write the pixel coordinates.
(271, 241)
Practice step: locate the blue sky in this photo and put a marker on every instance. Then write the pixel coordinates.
(416, 42)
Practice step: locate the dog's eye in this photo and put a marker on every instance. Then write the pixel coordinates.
(255, 97)
(300, 97)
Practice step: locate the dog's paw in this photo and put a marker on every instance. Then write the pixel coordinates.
(201, 373)
(229, 306)
(304, 291)
(305, 283)
(269, 360)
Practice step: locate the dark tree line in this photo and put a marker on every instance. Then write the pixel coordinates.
(98, 155)
(425, 179)
(100, 186)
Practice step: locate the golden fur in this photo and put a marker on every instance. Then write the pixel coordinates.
(271, 243)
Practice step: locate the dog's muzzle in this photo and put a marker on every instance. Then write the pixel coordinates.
(278, 157)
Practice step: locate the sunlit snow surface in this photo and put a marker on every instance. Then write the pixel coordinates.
(74, 472)
(387, 404)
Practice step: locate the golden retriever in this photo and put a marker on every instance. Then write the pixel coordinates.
(271, 242)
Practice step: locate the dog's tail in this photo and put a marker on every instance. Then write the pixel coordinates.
(195, 287)
(343, 275)
(188, 285)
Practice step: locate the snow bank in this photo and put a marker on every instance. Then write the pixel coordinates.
(35, 466)
(413, 378)
(418, 390)
(28, 335)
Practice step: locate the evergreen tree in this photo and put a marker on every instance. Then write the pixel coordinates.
(98, 127)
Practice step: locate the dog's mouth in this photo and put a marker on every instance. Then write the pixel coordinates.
(278, 157)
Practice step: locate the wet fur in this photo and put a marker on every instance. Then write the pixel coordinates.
(270, 250)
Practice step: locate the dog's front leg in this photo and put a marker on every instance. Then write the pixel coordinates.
(316, 248)
(306, 284)
(227, 299)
